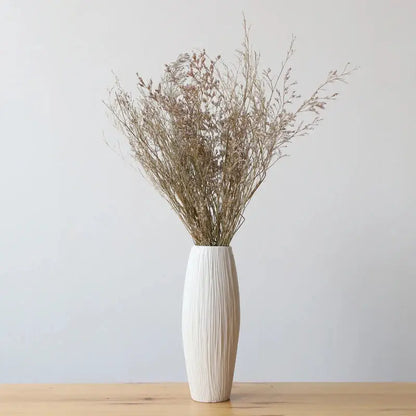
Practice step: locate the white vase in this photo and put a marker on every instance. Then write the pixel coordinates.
(210, 322)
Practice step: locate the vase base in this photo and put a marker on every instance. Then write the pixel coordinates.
(210, 400)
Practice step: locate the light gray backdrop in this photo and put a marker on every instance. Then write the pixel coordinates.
(92, 259)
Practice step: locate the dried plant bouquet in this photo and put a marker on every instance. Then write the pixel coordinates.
(207, 133)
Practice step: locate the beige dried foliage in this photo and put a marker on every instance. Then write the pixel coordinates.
(207, 134)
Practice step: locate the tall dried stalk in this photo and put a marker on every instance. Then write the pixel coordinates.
(207, 134)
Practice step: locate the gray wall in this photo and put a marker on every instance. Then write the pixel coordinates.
(92, 260)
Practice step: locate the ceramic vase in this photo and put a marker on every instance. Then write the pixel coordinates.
(210, 322)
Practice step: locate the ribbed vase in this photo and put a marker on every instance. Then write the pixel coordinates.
(210, 322)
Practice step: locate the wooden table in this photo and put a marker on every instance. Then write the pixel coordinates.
(172, 399)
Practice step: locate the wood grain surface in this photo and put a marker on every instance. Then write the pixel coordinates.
(248, 399)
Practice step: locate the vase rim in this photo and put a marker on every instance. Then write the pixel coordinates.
(195, 245)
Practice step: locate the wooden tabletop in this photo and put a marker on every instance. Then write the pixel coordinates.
(248, 399)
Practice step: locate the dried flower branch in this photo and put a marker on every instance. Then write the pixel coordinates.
(207, 134)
